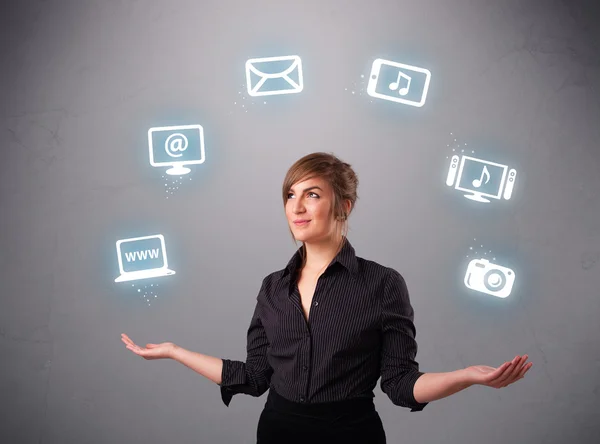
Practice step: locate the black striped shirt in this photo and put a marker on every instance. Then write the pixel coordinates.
(360, 327)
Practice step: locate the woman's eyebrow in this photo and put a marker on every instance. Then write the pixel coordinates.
(308, 189)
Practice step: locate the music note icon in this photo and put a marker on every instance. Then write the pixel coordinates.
(484, 172)
(396, 84)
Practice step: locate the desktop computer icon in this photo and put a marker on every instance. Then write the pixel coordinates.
(481, 179)
(176, 147)
(142, 258)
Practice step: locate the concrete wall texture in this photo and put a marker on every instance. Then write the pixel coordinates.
(512, 82)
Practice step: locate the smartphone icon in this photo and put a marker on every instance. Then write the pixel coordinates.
(398, 82)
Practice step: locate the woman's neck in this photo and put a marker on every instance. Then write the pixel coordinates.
(319, 255)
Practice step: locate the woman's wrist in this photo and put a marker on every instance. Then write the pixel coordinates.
(465, 378)
(175, 352)
(461, 379)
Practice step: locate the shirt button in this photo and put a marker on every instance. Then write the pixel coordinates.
(302, 399)
(304, 367)
(316, 303)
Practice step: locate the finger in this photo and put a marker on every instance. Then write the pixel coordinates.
(499, 374)
(126, 339)
(134, 346)
(515, 372)
(500, 380)
(508, 374)
(131, 344)
(525, 369)
(141, 351)
(521, 364)
(134, 349)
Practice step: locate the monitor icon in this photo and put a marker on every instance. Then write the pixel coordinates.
(142, 258)
(176, 146)
(481, 179)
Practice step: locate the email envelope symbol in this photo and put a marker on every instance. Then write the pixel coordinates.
(270, 76)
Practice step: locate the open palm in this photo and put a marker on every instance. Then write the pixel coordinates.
(502, 376)
(163, 350)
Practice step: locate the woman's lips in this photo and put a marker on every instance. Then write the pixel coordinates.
(301, 223)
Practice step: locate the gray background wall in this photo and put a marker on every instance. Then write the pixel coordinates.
(81, 83)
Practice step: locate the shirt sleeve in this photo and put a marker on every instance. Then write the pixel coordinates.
(399, 370)
(252, 377)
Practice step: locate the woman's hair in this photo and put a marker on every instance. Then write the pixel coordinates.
(340, 176)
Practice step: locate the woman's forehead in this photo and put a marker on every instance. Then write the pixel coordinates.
(310, 182)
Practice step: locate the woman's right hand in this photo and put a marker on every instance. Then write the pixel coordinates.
(164, 350)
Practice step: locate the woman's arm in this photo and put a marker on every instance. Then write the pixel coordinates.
(399, 370)
(401, 379)
(208, 366)
(252, 377)
(432, 386)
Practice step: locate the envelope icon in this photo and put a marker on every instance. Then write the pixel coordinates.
(270, 76)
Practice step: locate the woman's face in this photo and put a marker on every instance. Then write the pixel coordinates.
(308, 210)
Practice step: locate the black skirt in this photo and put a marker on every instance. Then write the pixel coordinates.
(354, 421)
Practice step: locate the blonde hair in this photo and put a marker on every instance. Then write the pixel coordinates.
(340, 176)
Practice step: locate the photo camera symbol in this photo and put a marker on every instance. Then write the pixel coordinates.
(176, 147)
(398, 82)
(489, 278)
(142, 258)
(481, 179)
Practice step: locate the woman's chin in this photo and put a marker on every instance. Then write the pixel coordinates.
(302, 237)
(307, 238)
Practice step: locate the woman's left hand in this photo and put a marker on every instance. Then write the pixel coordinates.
(502, 376)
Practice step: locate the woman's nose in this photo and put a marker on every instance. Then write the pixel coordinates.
(298, 207)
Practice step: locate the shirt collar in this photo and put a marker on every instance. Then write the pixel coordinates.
(346, 256)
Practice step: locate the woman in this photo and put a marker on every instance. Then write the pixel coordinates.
(327, 327)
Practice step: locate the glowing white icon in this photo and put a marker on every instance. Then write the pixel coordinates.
(398, 82)
(176, 146)
(142, 258)
(480, 178)
(489, 278)
(270, 76)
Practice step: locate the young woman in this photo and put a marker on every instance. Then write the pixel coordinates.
(327, 327)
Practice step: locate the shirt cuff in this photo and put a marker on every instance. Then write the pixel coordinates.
(232, 374)
(226, 395)
(415, 406)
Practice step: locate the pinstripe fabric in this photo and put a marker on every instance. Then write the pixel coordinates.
(360, 328)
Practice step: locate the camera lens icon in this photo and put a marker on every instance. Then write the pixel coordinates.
(489, 278)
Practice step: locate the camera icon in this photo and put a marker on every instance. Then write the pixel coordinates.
(489, 278)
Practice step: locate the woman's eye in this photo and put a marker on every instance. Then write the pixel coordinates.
(310, 194)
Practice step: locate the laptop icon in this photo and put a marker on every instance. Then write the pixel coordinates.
(142, 258)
